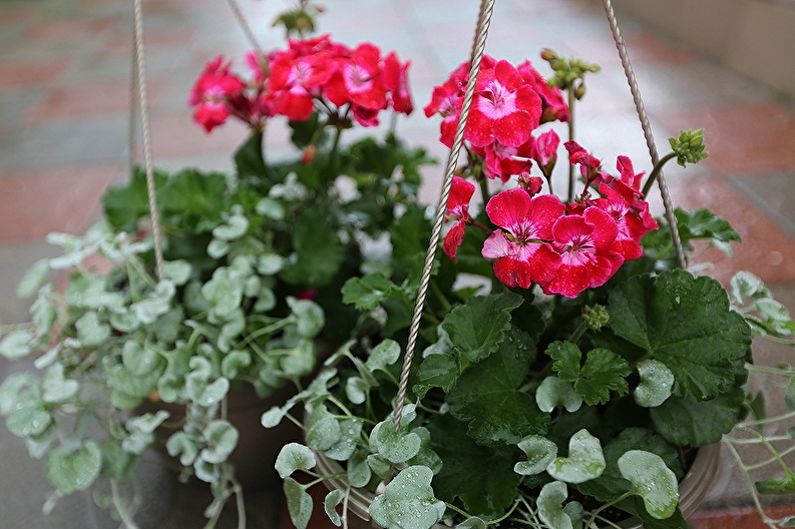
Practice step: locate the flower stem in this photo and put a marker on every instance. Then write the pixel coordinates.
(332, 157)
(571, 100)
(656, 172)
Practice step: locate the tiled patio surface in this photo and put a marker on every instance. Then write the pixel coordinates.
(64, 67)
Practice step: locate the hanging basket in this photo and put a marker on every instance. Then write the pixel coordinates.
(692, 489)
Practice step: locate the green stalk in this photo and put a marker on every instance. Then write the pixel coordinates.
(656, 172)
(571, 100)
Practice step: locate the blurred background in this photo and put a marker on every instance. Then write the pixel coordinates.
(725, 65)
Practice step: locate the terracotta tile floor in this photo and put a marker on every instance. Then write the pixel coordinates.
(64, 67)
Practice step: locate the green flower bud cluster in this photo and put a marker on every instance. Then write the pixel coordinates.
(595, 316)
(569, 73)
(689, 147)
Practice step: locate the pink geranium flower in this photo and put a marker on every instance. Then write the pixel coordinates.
(396, 79)
(554, 105)
(544, 150)
(503, 161)
(505, 108)
(624, 203)
(213, 93)
(522, 256)
(446, 101)
(458, 211)
(589, 164)
(358, 80)
(293, 83)
(584, 244)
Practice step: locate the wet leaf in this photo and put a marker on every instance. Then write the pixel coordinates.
(584, 462)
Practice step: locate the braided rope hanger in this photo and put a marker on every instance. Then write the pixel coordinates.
(484, 20)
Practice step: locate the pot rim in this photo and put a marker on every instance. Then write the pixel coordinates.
(692, 489)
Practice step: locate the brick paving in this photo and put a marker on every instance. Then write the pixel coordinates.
(64, 67)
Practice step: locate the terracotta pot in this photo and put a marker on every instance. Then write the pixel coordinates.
(257, 447)
(692, 490)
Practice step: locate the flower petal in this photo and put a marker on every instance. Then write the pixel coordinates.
(509, 208)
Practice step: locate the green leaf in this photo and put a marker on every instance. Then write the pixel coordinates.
(235, 227)
(249, 159)
(180, 444)
(550, 505)
(57, 388)
(299, 503)
(636, 508)
(29, 417)
(356, 389)
(408, 501)
(292, 457)
(333, 499)
(394, 446)
(221, 438)
(11, 389)
(139, 360)
(365, 293)
(603, 372)
(34, 278)
(676, 314)
(383, 355)
(234, 363)
(359, 472)
(656, 381)
(477, 328)
(610, 485)
(73, 470)
(652, 481)
(435, 371)
(318, 250)
(350, 435)
(124, 204)
(584, 462)
(494, 490)
(688, 422)
(540, 452)
(323, 429)
(309, 316)
(270, 208)
(178, 272)
(270, 264)
(785, 485)
(493, 384)
(16, 344)
(472, 523)
(554, 392)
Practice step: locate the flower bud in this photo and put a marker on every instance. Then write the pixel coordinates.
(689, 147)
(309, 154)
(548, 54)
(579, 91)
(595, 316)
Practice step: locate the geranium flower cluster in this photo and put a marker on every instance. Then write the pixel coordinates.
(565, 248)
(536, 238)
(310, 74)
(509, 103)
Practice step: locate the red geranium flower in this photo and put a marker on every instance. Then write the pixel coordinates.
(554, 104)
(294, 81)
(503, 161)
(544, 150)
(584, 244)
(458, 211)
(522, 256)
(505, 108)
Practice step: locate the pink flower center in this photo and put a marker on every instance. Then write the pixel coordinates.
(357, 79)
(214, 94)
(524, 233)
(578, 251)
(300, 73)
(496, 101)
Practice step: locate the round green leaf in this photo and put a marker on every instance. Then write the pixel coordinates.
(299, 503)
(56, 387)
(384, 354)
(540, 452)
(34, 278)
(585, 461)
(221, 438)
(550, 505)
(271, 208)
(408, 501)
(652, 481)
(29, 417)
(300, 360)
(309, 316)
(554, 392)
(350, 433)
(323, 429)
(292, 457)
(10, 389)
(73, 470)
(235, 227)
(270, 264)
(395, 447)
(359, 472)
(333, 499)
(356, 389)
(16, 344)
(234, 363)
(656, 381)
(180, 444)
(178, 271)
(139, 360)
(90, 331)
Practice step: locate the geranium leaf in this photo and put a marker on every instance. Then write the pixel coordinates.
(540, 452)
(610, 485)
(554, 392)
(333, 499)
(652, 481)
(584, 462)
(656, 381)
(318, 250)
(603, 371)
(493, 384)
(292, 457)
(365, 293)
(72, 470)
(550, 505)
(676, 314)
(408, 501)
(435, 371)
(689, 422)
(495, 489)
(299, 503)
(477, 328)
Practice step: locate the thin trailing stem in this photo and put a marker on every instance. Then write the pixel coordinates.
(750, 483)
(121, 508)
